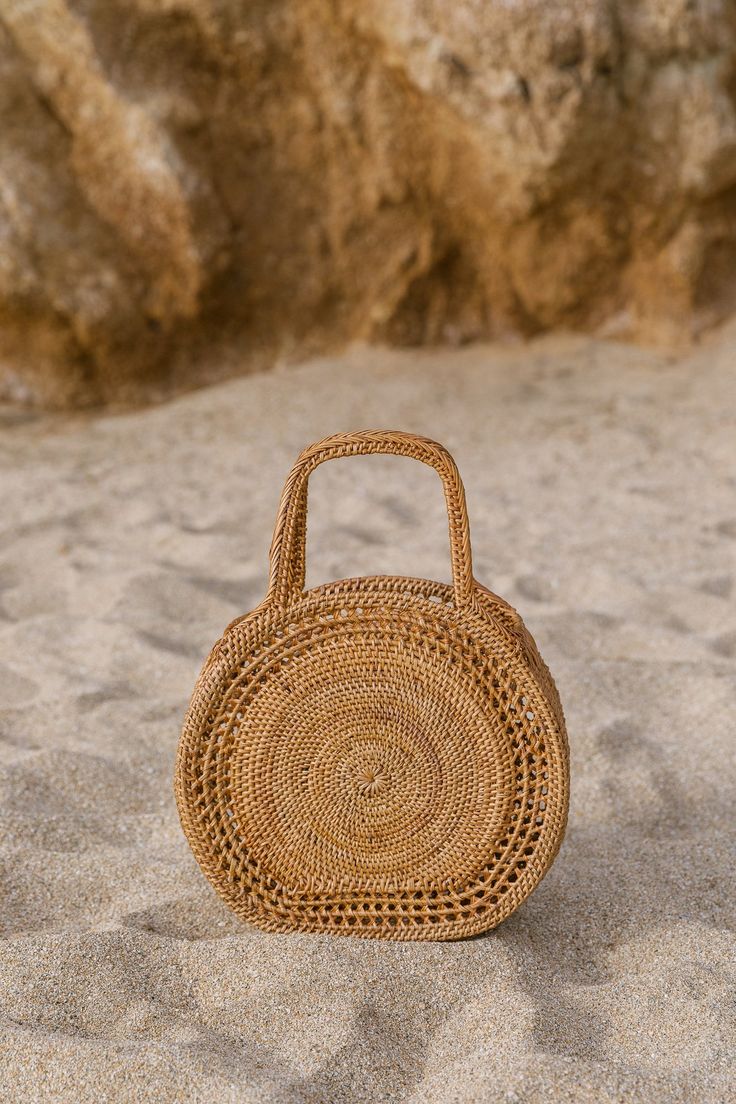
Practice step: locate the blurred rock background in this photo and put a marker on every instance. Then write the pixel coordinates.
(195, 188)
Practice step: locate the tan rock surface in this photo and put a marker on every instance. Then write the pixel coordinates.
(600, 483)
(190, 189)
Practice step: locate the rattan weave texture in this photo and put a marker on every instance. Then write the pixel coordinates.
(384, 757)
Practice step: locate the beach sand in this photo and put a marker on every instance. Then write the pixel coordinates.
(601, 484)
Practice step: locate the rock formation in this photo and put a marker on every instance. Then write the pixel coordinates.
(194, 187)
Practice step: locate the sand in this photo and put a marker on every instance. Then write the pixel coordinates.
(601, 483)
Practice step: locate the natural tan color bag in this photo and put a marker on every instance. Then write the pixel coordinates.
(383, 757)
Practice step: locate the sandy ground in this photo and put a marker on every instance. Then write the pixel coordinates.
(602, 489)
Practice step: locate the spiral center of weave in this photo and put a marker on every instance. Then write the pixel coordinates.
(372, 780)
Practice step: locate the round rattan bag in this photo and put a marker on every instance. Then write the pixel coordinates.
(382, 757)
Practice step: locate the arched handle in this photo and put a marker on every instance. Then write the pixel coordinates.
(288, 547)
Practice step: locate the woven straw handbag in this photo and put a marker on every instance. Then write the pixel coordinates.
(383, 757)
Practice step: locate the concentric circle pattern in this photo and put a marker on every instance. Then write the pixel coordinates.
(385, 771)
(371, 760)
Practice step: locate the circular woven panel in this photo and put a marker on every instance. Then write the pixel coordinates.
(383, 757)
(417, 791)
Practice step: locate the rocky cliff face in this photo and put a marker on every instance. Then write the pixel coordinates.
(180, 178)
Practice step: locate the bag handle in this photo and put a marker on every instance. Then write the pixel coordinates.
(288, 547)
